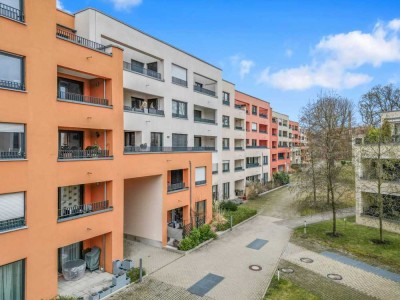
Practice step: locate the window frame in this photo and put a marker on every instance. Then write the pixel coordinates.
(22, 70)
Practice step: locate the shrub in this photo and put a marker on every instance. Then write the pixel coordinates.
(238, 216)
(228, 205)
(206, 233)
(196, 237)
(134, 274)
(281, 178)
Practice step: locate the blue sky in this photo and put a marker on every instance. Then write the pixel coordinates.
(282, 51)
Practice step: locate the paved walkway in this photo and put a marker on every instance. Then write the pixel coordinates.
(356, 278)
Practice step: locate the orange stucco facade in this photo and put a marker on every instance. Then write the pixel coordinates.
(42, 173)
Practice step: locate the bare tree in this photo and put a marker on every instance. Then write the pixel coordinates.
(329, 121)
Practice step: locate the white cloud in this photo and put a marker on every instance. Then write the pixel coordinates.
(125, 4)
(59, 5)
(289, 53)
(336, 57)
(245, 67)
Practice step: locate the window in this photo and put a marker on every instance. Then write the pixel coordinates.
(70, 252)
(253, 126)
(215, 192)
(71, 140)
(225, 190)
(252, 162)
(137, 66)
(225, 98)
(197, 114)
(156, 139)
(197, 141)
(215, 168)
(70, 89)
(11, 71)
(254, 143)
(225, 166)
(179, 75)
(200, 175)
(129, 139)
(225, 144)
(152, 66)
(12, 141)
(265, 177)
(179, 109)
(12, 211)
(175, 180)
(137, 103)
(70, 199)
(12, 281)
(265, 160)
(225, 121)
(179, 140)
(254, 110)
(200, 213)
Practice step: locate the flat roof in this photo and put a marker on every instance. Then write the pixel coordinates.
(142, 32)
(252, 96)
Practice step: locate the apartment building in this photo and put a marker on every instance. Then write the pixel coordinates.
(71, 178)
(294, 144)
(365, 156)
(258, 136)
(281, 154)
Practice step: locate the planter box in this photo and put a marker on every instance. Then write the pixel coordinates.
(127, 264)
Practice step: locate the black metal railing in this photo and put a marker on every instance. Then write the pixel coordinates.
(252, 165)
(225, 147)
(264, 116)
(181, 116)
(237, 169)
(12, 155)
(256, 147)
(150, 111)
(281, 158)
(12, 85)
(241, 107)
(239, 128)
(179, 81)
(82, 209)
(203, 90)
(226, 102)
(274, 159)
(200, 182)
(82, 98)
(239, 148)
(83, 154)
(11, 12)
(202, 120)
(70, 36)
(138, 149)
(141, 70)
(262, 131)
(225, 125)
(176, 186)
(215, 171)
(12, 224)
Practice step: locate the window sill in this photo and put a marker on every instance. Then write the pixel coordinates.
(13, 229)
(85, 215)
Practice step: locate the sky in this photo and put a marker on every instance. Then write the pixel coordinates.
(283, 51)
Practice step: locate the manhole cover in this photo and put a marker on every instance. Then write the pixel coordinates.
(287, 270)
(334, 276)
(255, 268)
(306, 260)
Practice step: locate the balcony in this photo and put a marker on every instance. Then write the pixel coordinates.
(264, 116)
(262, 131)
(176, 187)
(241, 107)
(11, 12)
(204, 85)
(256, 147)
(70, 36)
(83, 210)
(203, 120)
(66, 96)
(84, 144)
(202, 90)
(149, 111)
(156, 149)
(238, 169)
(136, 68)
(239, 128)
(178, 81)
(252, 165)
(239, 148)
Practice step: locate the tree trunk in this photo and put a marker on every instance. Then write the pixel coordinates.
(314, 181)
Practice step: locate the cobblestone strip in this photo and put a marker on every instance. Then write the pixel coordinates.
(365, 282)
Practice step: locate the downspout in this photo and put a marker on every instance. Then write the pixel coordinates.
(105, 139)
(190, 191)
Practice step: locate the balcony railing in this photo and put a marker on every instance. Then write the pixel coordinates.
(141, 70)
(12, 85)
(252, 165)
(80, 210)
(241, 107)
(181, 116)
(239, 128)
(155, 149)
(82, 154)
(150, 111)
(203, 90)
(176, 186)
(11, 12)
(237, 169)
(12, 155)
(201, 182)
(264, 116)
(262, 131)
(239, 148)
(179, 81)
(202, 120)
(12, 224)
(281, 158)
(274, 159)
(226, 102)
(72, 37)
(256, 147)
(82, 98)
(215, 171)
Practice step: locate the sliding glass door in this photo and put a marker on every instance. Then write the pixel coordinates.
(12, 281)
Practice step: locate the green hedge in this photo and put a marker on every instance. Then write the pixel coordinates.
(281, 178)
(196, 237)
(238, 216)
(134, 274)
(228, 205)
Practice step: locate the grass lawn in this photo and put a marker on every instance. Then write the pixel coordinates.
(286, 290)
(356, 240)
(238, 216)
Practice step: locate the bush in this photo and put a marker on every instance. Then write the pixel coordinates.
(281, 177)
(228, 205)
(134, 274)
(238, 216)
(196, 237)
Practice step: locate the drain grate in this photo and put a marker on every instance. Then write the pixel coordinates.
(306, 260)
(255, 268)
(334, 276)
(287, 270)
